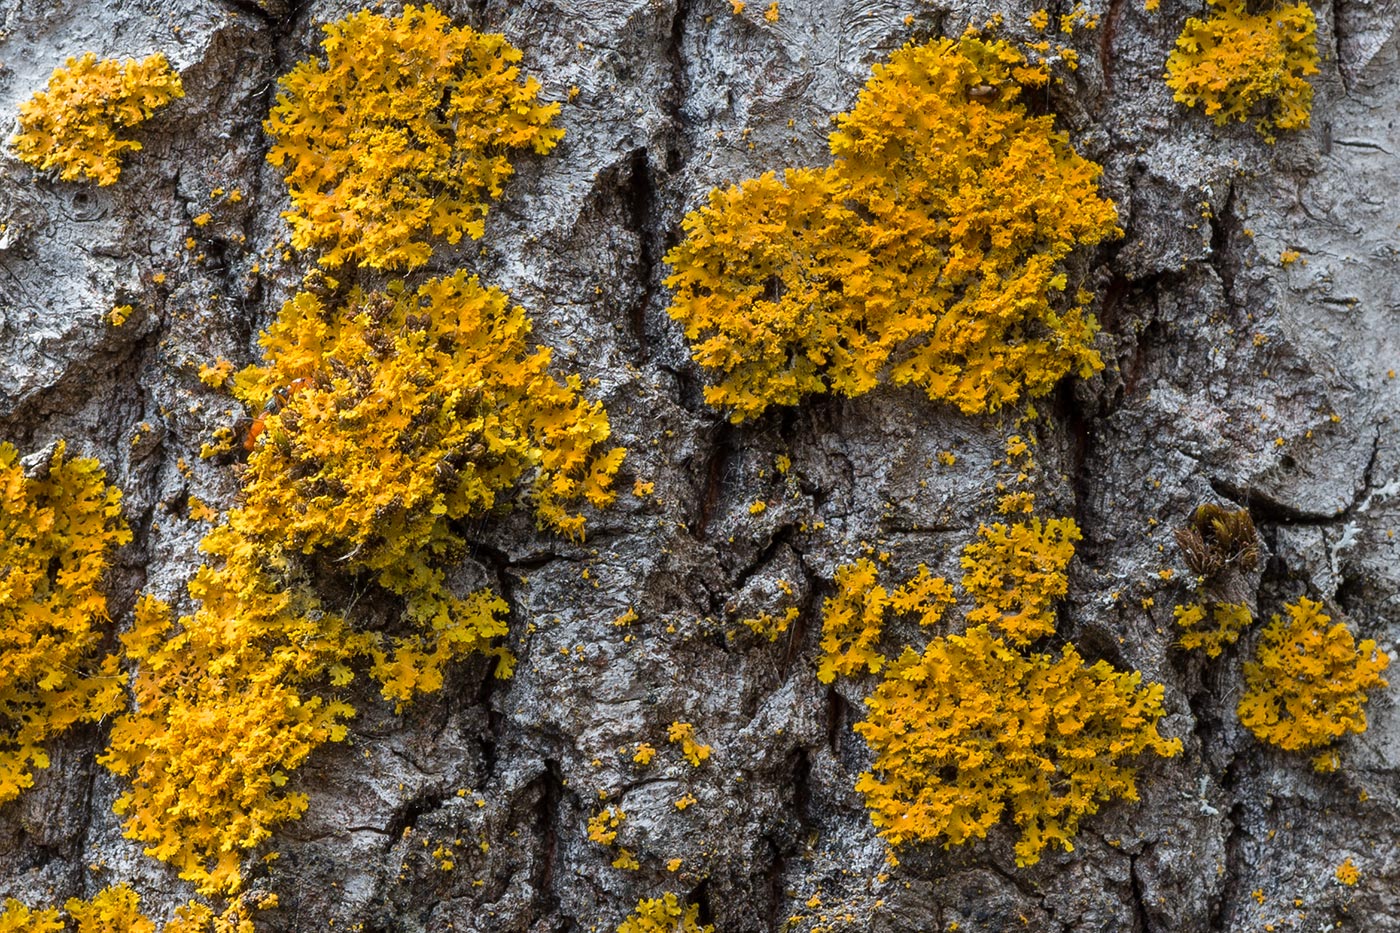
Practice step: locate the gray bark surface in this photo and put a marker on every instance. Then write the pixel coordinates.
(1214, 351)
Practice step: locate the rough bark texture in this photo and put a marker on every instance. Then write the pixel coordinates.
(1214, 351)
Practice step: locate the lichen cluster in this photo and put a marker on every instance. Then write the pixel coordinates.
(972, 730)
(1308, 682)
(117, 909)
(58, 529)
(405, 130)
(76, 124)
(226, 707)
(853, 618)
(1239, 65)
(413, 411)
(1211, 627)
(1015, 573)
(977, 727)
(929, 253)
(1220, 547)
(387, 421)
(664, 914)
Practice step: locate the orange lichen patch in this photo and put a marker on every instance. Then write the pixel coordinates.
(603, 825)
(683, 734)
(853, 618)
(412, 410)
(665, 914)
(115, 909)
(58, 529)
(405, 130)
(73, 124)
(1015, 573)
(770, 625)
(1309, 679)
(111, 910)
(1227, 621)
(973, 730)
(1347, 873)
(419, 409)
(237, 917)
(1240, 65)
(227, 705)
(16, 917)
(928, 253)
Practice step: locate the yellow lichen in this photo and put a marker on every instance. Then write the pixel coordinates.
(851, 622)
(405, 130)
(770, 625)
(388, 420)
(1227, 621)
(226, 707)
(111, 910)
(405, 412)
(1239, 65)
(216, 374)
(15, 917)
(194, 917)
(1347, 873)
(58, 528)
(665, 914)
(853, 618)
(683, 734)
(929, 253)
(973, 730)
(1308, 681)
(1014, 574)
(602, 826)
(73, 124)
